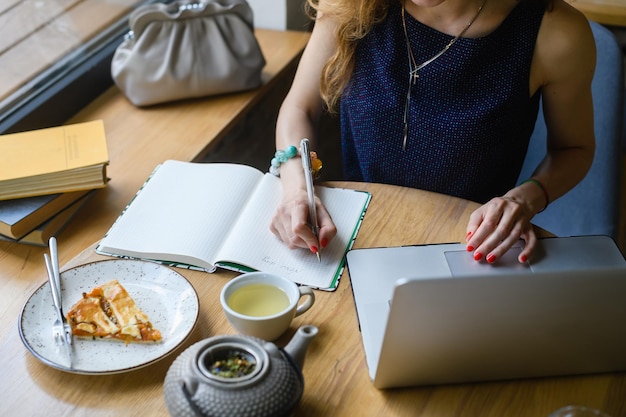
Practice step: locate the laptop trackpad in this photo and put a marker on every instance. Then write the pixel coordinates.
(461, 263)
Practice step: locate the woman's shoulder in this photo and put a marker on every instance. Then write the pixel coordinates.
(561, 12)
(565, 42)
(565, 24)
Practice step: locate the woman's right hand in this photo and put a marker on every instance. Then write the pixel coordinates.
(291, 223)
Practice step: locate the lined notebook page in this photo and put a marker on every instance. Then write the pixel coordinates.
(252, 243)
(185, 209)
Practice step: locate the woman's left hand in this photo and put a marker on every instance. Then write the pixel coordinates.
(497, 225)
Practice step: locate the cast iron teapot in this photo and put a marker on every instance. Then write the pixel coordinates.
(236, 375)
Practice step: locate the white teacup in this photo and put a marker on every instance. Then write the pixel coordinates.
(263, 305)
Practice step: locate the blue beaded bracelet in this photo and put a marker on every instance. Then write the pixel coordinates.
(280, 157)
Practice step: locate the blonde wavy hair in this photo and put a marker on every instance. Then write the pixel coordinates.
(354, 19)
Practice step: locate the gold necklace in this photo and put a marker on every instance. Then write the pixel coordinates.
(414, 68)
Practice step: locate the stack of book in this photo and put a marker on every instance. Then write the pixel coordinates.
(46, 176)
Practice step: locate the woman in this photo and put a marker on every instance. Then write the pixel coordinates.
(443, 95)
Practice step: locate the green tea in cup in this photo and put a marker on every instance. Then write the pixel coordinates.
(258, 300)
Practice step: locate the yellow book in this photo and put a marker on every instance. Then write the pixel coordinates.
(53, 160)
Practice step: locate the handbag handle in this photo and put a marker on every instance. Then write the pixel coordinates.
(141, 17)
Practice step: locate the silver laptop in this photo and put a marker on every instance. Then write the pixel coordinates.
(430, 314)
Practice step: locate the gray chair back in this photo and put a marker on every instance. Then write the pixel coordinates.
(593, 206)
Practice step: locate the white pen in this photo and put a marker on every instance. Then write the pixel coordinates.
(305, 153)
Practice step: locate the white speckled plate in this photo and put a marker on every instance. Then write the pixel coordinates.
(163, 294)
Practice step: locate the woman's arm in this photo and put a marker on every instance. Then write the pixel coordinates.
(563, 67)
(298, 118)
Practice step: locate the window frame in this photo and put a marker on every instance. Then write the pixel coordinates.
(73, 82)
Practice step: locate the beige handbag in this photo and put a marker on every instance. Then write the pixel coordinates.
(184, 50)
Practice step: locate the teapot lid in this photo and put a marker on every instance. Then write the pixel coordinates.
(232, 362)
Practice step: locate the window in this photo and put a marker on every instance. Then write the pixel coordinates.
(55, 57)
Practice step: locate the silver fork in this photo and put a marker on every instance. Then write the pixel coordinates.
(58, 332)
(54, 258)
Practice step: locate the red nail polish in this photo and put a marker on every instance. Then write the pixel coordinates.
(491, 258)
(314, 249)
(324, 243)
(478, 256)
(523, 258)
(470, 248)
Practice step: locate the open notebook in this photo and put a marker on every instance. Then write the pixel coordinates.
(428, 317)
(208, 215)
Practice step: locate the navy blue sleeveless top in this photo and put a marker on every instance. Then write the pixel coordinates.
(471, 114)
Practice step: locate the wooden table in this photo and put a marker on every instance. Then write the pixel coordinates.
(606, 12)
(337, 382)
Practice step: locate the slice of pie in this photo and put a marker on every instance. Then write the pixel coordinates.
(108, 311)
